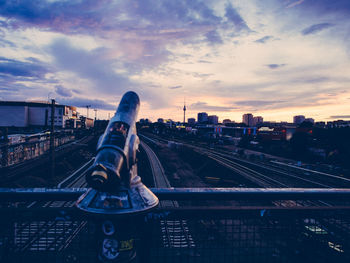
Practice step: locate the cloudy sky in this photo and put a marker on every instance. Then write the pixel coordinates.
(275, 58)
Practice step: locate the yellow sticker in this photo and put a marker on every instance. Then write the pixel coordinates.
(126, 245)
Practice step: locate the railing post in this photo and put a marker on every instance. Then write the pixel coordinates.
(52, 139)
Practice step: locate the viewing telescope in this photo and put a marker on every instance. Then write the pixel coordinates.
(117, 189)
(117, 198)
(117, 147)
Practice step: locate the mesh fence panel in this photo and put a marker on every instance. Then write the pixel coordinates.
(185, 236)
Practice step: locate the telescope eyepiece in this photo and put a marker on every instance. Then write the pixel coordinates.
(98, 179)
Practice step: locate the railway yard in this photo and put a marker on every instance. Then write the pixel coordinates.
(165, 164)
(236, 172)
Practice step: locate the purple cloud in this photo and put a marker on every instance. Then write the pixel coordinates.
(327, 6)
(88, 65)
(264, 39)
(213, 37)
(235, 18)
(258, 103)
(275, 66)
(63, 16)
(203, 106)
(340, 117)
(82, 102)
(175, 87)
(182, 20)
(62, 91)
(315, 28)
(100, 72)
(25, 69)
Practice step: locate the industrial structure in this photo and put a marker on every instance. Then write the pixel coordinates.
(26, 114)
(21, 114)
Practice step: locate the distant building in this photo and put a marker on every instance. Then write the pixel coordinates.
(226, 121)
(202, 117)
(191, 121)
(145, 121)
(272, 134)
(213, 119)
(34, 114)
(86, 123)
(298, 119)
(311, 120)
(338, 124)
(320, 124)
(248, 119)
(169, 123)
(257, 120)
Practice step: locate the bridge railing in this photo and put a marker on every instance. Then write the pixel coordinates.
(210, 225)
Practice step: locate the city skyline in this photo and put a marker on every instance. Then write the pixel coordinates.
(276, 59)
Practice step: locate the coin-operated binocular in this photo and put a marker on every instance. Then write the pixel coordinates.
(117, 196)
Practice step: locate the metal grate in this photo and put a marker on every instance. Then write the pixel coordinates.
(185, 235)
(239, 237)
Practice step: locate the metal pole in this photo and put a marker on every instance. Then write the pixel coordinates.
(5, 148)
(87, 111)
(52, 139)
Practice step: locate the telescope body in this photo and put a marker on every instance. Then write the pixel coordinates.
(116, 187)
(116, 149)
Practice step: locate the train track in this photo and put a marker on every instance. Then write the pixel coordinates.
(267, 174)
(14, 171)
(262, 175)
(51, 235)
(175, 233)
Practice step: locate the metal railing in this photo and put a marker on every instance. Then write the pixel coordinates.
(210, 225)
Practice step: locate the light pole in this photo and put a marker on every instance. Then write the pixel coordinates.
(95, 110)
(87, 110)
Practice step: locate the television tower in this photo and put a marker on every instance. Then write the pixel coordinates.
(184, 111)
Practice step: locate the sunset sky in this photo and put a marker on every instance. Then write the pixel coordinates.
(274, 58)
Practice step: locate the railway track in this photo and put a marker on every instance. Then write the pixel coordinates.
(263, 175)
(175, 233)
(268, 174)
(14, 171)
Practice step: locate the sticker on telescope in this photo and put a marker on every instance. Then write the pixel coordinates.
(126, 245)
(108, 228)
(111, 202)
(110, 248)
